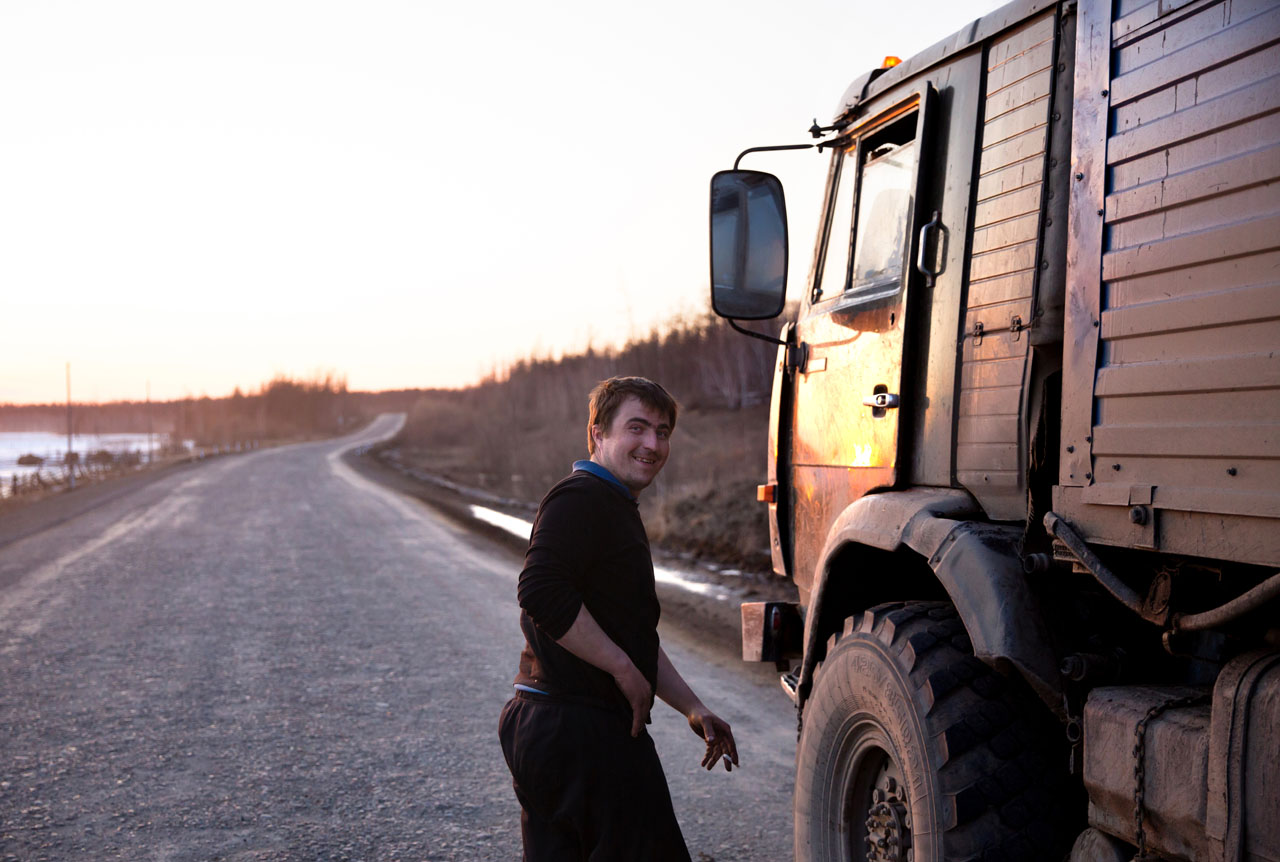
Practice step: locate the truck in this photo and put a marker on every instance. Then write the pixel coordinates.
(1024, 441)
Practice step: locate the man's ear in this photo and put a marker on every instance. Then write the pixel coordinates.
(596, 434)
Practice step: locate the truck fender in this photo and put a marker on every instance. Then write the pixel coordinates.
(977, 564)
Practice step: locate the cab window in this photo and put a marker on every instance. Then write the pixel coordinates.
(870, 215)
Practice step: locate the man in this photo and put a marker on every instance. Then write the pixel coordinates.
(584, 768)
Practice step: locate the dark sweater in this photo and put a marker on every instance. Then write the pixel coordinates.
(588, 547)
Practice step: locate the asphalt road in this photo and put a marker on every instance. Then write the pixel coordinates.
(270, 656)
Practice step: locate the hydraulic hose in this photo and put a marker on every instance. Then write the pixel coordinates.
(1239, 606)
(1119, 590)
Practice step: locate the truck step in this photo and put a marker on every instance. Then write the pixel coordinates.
(791, 684)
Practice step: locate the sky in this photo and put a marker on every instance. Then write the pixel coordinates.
(198, 196)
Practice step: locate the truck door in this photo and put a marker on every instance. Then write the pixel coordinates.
(848, 395)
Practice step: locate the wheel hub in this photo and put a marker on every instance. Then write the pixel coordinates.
(888, 825)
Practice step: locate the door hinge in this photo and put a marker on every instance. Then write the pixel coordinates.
(797, 357)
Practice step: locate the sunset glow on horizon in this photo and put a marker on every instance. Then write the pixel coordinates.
(201, 197)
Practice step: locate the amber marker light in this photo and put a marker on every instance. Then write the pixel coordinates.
(767, 493)
(890, 62)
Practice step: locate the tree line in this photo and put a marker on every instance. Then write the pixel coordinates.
(524, 418)
(516, 432)
(283, 407)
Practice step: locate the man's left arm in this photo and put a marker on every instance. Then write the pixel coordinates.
(712, 728)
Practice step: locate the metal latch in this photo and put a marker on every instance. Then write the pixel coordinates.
(882, 401)
(1015, 329)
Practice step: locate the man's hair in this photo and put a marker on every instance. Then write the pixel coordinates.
(609, 394)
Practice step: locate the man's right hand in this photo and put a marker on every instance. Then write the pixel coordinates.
(635, 688)
(587, 641)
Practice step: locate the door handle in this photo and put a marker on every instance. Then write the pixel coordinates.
(930, 275)
(883, 401)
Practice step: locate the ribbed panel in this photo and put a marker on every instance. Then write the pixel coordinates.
(990, 444)
(1187, 396)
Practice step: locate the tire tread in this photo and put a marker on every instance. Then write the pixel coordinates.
(993, 752)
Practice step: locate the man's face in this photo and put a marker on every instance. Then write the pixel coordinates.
(635, 445)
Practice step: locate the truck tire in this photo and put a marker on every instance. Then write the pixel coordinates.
(912, 749)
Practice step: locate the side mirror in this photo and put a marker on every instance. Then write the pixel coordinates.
(748, 245)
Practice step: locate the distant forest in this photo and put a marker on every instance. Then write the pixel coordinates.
(701, 361)
(517, 432)
(282, 408)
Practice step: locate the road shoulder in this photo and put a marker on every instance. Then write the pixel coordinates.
(706, 622)
(26, 519)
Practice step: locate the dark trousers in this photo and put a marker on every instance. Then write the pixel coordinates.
(588, 789)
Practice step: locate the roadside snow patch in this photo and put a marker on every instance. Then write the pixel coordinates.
(522, 528)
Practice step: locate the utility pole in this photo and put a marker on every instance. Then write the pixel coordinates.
(150, 446)
(71, 472)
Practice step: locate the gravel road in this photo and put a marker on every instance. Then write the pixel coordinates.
(270, 656)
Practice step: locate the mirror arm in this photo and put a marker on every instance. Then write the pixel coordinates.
(771, 149)
(759, 335)
(797, 354)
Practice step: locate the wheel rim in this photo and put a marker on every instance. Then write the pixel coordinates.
(876, 817)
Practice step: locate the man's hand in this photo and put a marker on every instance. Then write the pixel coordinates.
(587, 641)
(712, 728)
(719, 738)
(635, 688)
